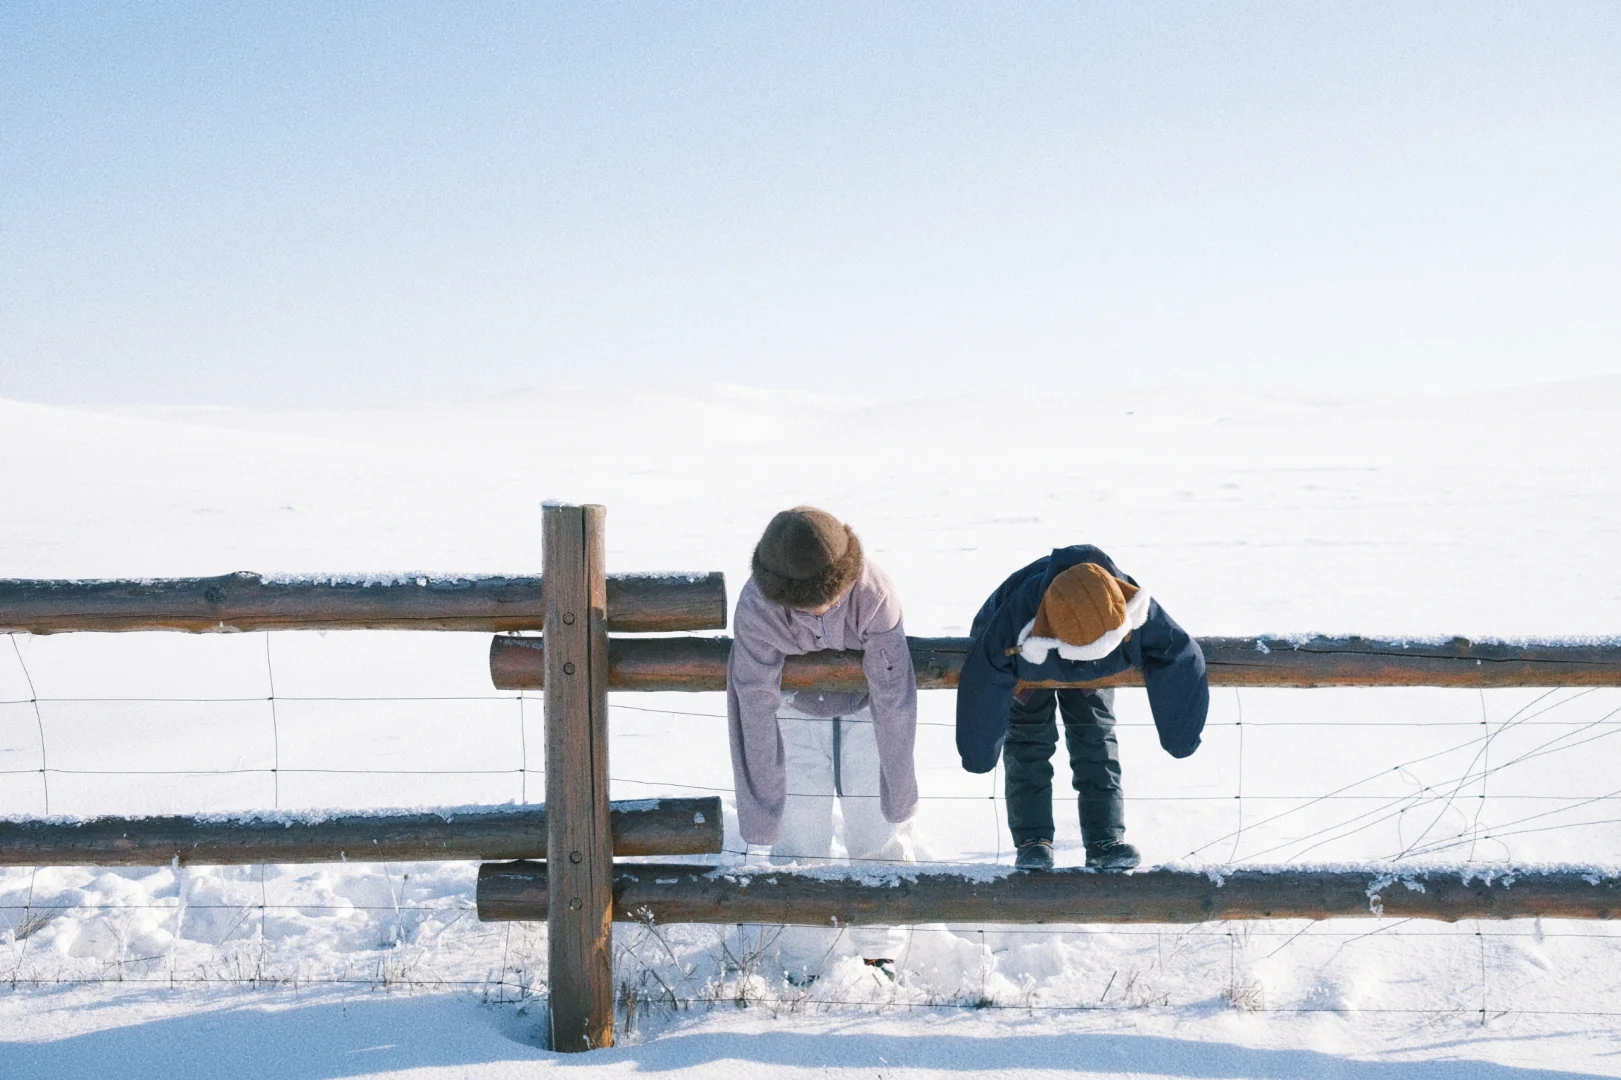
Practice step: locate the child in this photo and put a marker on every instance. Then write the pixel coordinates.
(1072, 617)
(792, 755)
(811, 589)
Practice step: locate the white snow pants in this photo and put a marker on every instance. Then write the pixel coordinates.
(833, 763)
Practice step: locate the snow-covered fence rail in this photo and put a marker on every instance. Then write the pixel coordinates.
(903, 896)
(246, 601)
(574, 601)
(642, 827)
(699, 664)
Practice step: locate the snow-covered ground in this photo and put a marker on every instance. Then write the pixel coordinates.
(1494, 514)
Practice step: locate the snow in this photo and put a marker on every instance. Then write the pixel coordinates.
(866, 875)
(419, 578)
(315, 815)
(1490, 516)
(689, 576)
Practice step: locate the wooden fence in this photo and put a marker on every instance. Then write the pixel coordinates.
(696, 664)
(576, 603)
(642, 827)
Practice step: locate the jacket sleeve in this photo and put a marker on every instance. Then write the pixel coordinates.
(753, 694)
(886, 659)
(985, 693)
(892, 686)
(1178, 688)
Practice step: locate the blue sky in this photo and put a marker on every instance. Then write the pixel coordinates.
(290, 205)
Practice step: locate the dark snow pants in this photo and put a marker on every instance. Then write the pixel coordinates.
(1094, 762)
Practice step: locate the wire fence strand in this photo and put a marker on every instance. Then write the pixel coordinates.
(1469, 767)
(39, 721)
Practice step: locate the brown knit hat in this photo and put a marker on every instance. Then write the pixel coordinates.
(1082, 604)
(806, 558)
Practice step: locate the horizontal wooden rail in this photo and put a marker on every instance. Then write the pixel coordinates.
(645, 827)
(696, 894)
(700, 664)
(245, 601)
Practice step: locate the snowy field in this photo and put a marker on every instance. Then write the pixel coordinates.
(1494, 514)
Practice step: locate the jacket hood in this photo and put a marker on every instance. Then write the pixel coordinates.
(1065, 557)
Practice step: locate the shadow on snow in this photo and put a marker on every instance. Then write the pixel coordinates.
(316, 1039)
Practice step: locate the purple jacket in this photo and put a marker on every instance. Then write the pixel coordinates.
(868, 619)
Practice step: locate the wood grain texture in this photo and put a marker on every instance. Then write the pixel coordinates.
(580, 917)
(693, 894)
(645, 827)
(246, 602)
(699, 663)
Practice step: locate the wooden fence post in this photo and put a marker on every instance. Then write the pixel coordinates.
(579, 845)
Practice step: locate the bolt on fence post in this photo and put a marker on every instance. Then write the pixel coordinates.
(579, 845)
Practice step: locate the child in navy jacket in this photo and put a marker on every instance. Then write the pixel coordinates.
(1072, 617)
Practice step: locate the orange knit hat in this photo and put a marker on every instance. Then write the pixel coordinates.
(1082, 604)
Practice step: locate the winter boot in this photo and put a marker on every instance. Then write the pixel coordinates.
(1035, 855)
(1114, 856)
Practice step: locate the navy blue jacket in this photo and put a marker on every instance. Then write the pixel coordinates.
(1172, 665)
